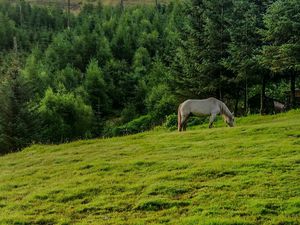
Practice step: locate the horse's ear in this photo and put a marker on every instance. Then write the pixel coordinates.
(233, 113)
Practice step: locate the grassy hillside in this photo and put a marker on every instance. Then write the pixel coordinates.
(248, 174)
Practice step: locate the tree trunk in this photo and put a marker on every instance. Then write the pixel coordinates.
(263, 96)
(69, 6)
(122, 5)
(20, 12)
(246, 97)
(15, 44)
(293, 84)
(237, 98)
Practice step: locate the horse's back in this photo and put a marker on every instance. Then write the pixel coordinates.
(201, 106)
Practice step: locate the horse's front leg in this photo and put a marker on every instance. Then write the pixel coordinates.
(185, 125)
(211, 120)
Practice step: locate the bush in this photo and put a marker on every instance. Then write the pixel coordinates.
(196, 120)
(160, 102)
(64, 117)
(137, 125)
(171, 122)
(128, 113)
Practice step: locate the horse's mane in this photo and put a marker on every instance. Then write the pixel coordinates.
(224, 110)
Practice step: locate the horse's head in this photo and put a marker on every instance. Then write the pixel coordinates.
(230, 120)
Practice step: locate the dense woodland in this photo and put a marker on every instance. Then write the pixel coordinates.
(112, 71)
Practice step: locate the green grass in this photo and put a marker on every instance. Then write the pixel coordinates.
(249, 174)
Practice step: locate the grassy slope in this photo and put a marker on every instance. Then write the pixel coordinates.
(248, 174)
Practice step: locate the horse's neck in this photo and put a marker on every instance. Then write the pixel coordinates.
(224, 110)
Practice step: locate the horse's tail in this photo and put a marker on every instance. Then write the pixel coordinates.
(179, 118)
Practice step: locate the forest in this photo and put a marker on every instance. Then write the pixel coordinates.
(109, 70)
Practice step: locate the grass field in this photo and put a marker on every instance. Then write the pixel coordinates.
(249, 174)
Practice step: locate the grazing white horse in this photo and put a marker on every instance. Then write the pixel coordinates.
(210, 106)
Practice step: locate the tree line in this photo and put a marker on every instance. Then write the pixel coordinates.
(111, 71)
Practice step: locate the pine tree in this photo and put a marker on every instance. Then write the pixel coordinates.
(18, 123)
(198, 63)
(243, 46)
(95, 86)
(282, 54)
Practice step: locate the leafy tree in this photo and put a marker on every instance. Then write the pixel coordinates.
(64, 117)
(160, 101)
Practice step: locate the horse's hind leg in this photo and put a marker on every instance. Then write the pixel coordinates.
(184, 122)
(211, 120)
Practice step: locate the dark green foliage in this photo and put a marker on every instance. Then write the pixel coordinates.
(18, 122)
(160, 102)
(106, 71)
(64, 117)
(7, 32)
(171, 122)
(140, 124)
(129, 113)
(282, 33)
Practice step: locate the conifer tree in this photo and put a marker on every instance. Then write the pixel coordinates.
(282, 33)
(95, 86)
(243, 46)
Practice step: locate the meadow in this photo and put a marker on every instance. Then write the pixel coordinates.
(248, 174)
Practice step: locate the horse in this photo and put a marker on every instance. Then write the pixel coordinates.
(279, 107)
(210, 106)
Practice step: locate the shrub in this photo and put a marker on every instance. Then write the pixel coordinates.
(171, 122)
(160, 102)
(140, 124)
(196, 120)
(137, 125)
(64, 117)
(128, 113)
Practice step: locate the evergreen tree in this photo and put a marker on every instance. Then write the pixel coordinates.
(95, 86)
(18, 123)
(7, 32)
(203, 48)
(243, 46)
(282, 32)
(216, 39)
(189, 81)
